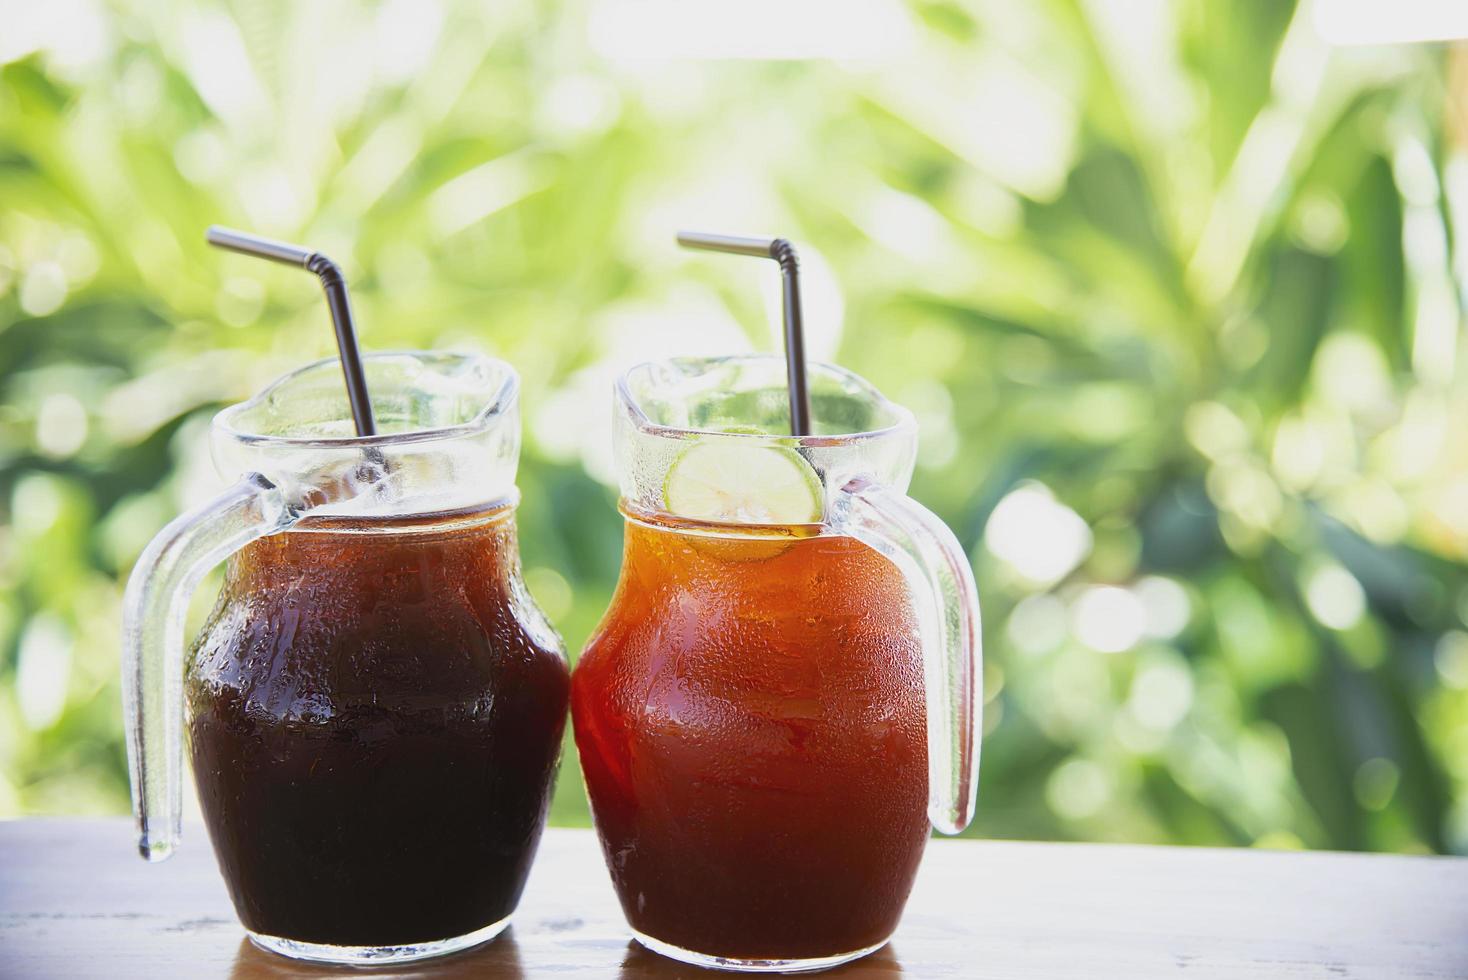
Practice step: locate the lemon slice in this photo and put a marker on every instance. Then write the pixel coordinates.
(735, 482)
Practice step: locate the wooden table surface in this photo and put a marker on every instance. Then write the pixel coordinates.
(75, 901)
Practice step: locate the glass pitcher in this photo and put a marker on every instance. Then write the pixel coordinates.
(376, 704)
(776, 704)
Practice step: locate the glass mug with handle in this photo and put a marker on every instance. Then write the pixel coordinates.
(783, 694)
(376, 704)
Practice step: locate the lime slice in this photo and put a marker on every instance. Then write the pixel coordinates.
(744, 483)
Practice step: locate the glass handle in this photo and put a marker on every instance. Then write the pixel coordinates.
(942, 586)
(154, 608)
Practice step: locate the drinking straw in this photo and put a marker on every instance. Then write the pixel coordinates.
(336, 299)
(784, 253)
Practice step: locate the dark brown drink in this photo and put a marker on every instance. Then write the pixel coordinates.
(376, 716)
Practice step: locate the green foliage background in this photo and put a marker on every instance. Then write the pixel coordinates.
(1179, 269)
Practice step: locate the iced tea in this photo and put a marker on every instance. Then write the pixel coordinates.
(751, 723)
(376, 713)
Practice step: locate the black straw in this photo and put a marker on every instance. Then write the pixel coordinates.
(336, 299)
(784, 253)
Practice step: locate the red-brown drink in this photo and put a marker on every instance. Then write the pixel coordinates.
(750, 719)
(780, 698)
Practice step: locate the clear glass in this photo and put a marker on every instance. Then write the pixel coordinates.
(372, 609)
(768, 717)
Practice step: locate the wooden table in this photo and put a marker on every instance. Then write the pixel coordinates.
(75, 901)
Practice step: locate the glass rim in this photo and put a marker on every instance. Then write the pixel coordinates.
(496, 404)
(903, 421)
